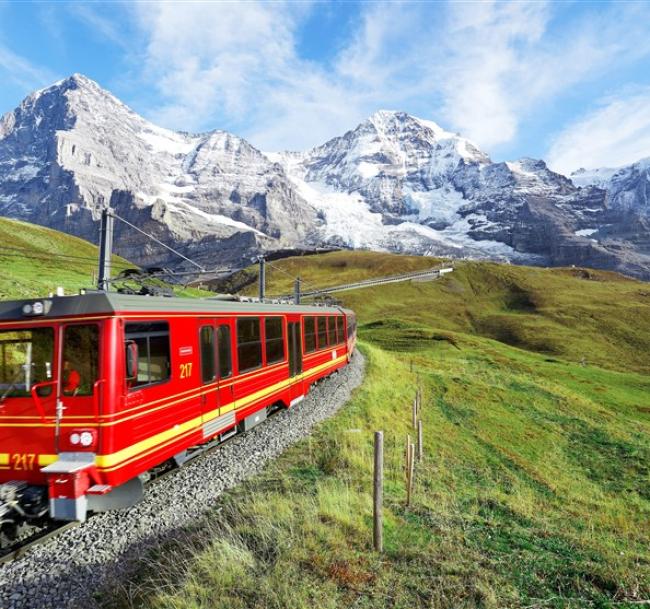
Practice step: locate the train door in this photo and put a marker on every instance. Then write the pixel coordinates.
(295, 359)
(208, 351)
(218, 403)
(225, 338)
(80, 389)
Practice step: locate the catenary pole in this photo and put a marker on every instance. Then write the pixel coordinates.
(105, 250)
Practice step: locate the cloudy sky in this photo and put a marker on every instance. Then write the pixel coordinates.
(565, 81)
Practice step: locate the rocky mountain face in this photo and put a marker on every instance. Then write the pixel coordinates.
(409, 185)
(69, 150)
(395, 182)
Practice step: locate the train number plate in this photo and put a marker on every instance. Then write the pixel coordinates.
(22, 461)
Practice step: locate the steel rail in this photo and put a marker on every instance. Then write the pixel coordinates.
(16, 550)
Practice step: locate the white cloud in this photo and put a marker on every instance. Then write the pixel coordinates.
(236, 64)
(106, 27)
(487, 47)
(505, 60)
(614, 134)
(478, 68)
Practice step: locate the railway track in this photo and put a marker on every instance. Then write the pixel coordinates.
(21, 547)
(18, 549)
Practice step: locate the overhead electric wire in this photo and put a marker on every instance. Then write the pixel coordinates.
(158, 241)
(52, 258)
(28, 253)
(294, 277)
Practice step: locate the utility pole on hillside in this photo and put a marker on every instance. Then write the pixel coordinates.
(296, 291)
(105, 250)
(262, 278)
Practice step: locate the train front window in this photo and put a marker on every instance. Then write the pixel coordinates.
(80, 359)
(26, 358)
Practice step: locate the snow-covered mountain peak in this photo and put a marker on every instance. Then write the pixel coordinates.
(592, 177)
(529, 173)
(384, 150)
(390, 122)
(394, 182)
(602, 176)
(628, 187)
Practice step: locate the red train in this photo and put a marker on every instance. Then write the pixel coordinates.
(98, 389)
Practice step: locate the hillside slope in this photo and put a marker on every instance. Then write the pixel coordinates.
(34, 261)
(534, 488)
(575, 314)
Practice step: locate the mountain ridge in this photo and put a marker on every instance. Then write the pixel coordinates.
(395, 182)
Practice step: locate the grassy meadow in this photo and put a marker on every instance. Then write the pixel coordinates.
(534, 489)
(35, 260)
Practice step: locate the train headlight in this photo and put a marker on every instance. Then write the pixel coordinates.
(40, 307)
(82, 439)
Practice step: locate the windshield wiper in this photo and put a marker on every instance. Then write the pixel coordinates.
(12, 384)
(3, 397)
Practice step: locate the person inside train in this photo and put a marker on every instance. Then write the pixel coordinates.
(71, 379)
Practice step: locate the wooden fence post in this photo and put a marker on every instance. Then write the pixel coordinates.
(420, 450)
(378, 525)
(415, 413)
(410, 473)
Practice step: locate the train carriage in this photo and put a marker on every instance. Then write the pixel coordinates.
(98, 389)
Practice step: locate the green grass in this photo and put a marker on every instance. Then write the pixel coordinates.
(35, 260)
(534, 490)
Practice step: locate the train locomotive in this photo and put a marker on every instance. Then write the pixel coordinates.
(98, 390)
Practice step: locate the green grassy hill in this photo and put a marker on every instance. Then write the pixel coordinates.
(35, 260)
(534, 490)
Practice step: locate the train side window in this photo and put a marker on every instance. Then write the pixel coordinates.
(310, 334)
(339, 329)
(352, 326)
(208, 352)
(322, 332)
(154, 362)
(331, 330)
(224, 351)
(80, 359)
(249, 343)
(274, 339)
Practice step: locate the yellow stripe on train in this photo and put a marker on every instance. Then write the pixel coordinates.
(148, 445)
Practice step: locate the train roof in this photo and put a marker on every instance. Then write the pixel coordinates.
(107, 303)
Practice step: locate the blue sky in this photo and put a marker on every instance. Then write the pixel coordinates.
(565, 81)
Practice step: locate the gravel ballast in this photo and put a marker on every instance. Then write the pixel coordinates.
(69, 570)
